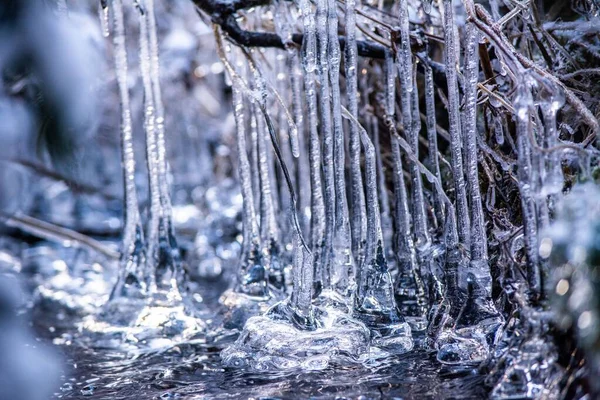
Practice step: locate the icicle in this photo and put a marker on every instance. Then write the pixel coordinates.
(412, 125)
(523, 102)
(165, 251)
(327, 134)
(376, 303)
(374, 246)
(268, 226)
(357, 192)
(479, 248)
(418, 199)
(132, 251)
(384, 200)
(302, 170)
(309, 64)
(286, 150)
(260, 100)
(269, 231)
(343, 261)
(431, 123)
(405, 53)
(275, 184)
(409, 289)
(283, 27)
(498, 129)
(104, 17)
(450, 59)
(251, 274)
(153, 227)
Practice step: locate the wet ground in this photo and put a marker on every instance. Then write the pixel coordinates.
(194, 371)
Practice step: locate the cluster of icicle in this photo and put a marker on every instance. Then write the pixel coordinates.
(375, 274)
(148, 300)
(365, 279)
(349, 255)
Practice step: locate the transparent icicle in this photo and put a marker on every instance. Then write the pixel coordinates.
(268, 225)
(317, 206)
(152, 230)
(455, 258)
(384, 200)
(423, 241)
(303, 169)
(450, 60)
(523, 103)
(412, 124)
(284, 134)
(251, 273)
(343, 260)
(283, 27)
(328, 146)
(479, 246)
(169, 270)
(269, 231)
(405, 52)
(132, 268)
(409, 289)
(356, 184)
(375, 294)
(433, 160)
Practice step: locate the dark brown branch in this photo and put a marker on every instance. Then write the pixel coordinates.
(223, 13)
